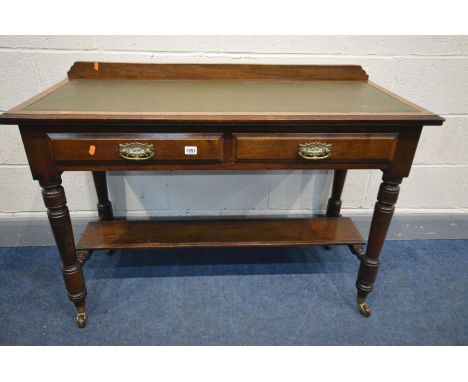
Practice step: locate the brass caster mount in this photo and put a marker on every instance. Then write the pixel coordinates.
(363, 307)
(81, 317)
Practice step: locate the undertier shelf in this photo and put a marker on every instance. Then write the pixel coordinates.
(219, 233)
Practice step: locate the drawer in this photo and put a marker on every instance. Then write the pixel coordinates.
(315, 147)
(151, 148)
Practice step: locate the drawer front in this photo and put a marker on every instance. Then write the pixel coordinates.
(140, 148)
(315, 148)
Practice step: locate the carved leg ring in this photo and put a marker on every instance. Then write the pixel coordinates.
(59, 218)
(383, 212)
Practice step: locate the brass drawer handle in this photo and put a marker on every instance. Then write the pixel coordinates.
(315, 150)
(136, 151)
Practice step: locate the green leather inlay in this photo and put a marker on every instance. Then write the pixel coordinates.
(219, 96)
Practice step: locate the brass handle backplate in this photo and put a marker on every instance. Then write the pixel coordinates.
(136, 151)
(315, 150)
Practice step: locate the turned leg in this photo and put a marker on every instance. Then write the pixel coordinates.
(383, 212)
(104, 205)
(334, 203)
(59, 218)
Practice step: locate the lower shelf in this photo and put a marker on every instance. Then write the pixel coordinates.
(219, 233)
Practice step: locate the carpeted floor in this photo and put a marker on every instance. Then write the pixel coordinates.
(281, 296)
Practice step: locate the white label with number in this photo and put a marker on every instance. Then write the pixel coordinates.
(190, 150)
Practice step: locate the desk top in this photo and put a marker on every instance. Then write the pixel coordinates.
(217, 93)
(224, 96)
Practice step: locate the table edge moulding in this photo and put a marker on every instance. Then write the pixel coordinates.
(126, 117)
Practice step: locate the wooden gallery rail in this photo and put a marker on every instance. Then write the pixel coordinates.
(113, 116)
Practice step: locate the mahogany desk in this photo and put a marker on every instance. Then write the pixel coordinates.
(111, 116)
